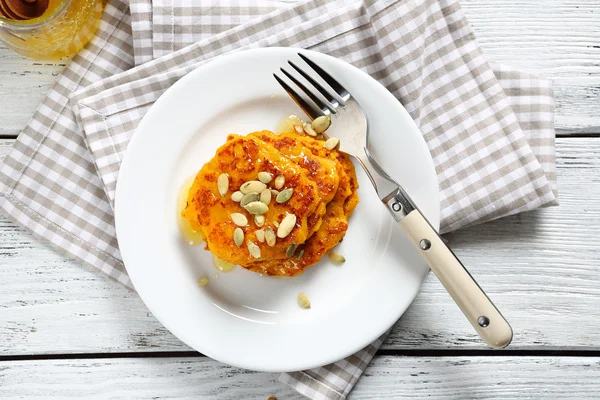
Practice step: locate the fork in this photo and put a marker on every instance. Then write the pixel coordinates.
(350, 125)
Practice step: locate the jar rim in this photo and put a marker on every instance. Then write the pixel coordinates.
(20, 25)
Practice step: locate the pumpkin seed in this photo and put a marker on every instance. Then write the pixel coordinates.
(300, 254)
(332, 143)
(298, 128)
(303, 300)
(237, 196)
(279, 181)
(284, 195)
(286, 225)
(270, 237)
(254, 250)
(248, 198)
(256, 208)
(276, 224)
(259, 220)
(290, 250)
(274, 192)
(336, 258)
(260, 235)
(309, 130)
(238, 236)
(223, 184)
(265, 196)
(252, 186)
(321, 123)
(239, 219)
(265, 177)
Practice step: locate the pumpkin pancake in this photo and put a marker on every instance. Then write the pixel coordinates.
(332, 229)
(321, 169)
(242, 158)
(324, 196)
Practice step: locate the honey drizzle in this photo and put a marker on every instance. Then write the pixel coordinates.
(222, 265)
(286, 124)
(190, 235)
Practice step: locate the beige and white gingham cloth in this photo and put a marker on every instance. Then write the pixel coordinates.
(489, 128)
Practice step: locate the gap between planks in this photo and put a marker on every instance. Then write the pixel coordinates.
(590, 132)
(417, 353)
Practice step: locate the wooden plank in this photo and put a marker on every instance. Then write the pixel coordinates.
(23, 84)
(145, 378)
(386, 378)
(558, 40)
(541, 269)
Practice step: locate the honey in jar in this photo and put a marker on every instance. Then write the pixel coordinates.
(49, 29)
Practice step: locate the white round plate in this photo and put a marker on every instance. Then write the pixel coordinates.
(242, 318)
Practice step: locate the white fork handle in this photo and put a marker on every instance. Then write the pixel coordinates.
(477, 307)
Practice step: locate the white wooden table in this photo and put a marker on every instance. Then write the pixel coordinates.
(68, 332)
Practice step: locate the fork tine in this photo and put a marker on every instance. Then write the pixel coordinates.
(309, 109)
(328, 95)
(335, 85)
(322, 105)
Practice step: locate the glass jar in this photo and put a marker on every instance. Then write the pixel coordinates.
(65, 28)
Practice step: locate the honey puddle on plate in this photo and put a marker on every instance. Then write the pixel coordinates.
(191, 236)
(286, 124)
(222, 265)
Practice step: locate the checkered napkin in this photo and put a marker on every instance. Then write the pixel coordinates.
(489, 128)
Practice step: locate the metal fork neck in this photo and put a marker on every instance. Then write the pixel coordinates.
(389, 191)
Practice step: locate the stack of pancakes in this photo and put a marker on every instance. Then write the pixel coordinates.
(324, 196)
